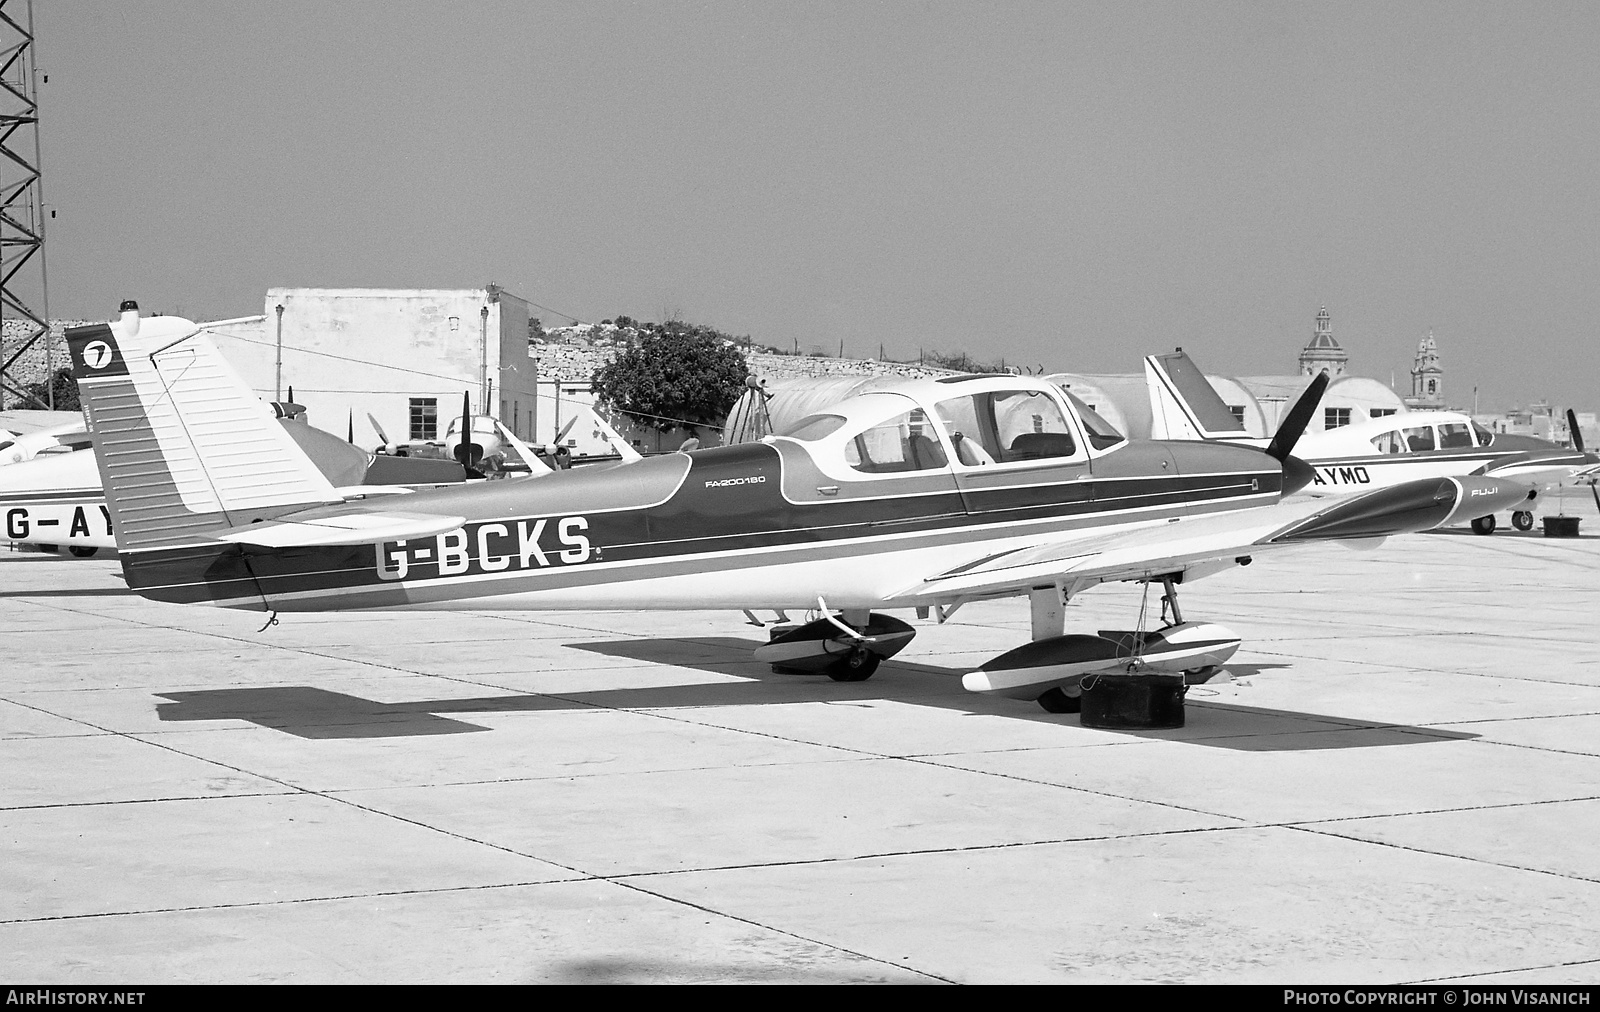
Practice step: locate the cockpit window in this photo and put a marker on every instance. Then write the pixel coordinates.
(1005, 426)
(1454, 435)
(1420, 438)
(813, 427)
(903, 443)
(1485, 437)
(1101, 432)
(1390, 442)
(1030, 426)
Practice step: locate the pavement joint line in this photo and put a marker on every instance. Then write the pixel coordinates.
(1516, 969)
(247, 904)
(1442, 811)
(1468, 858)
(287, 792)
(972, 848)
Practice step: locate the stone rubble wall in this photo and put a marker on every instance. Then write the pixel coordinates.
(30, 368)
(570, 363)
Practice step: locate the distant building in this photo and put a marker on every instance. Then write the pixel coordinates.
(403, 356)
(1427, 378)
(1322, 351)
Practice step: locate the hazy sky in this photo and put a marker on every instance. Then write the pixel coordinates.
(1068, 184)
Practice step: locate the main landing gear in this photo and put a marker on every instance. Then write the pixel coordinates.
(1522, 520)
(847, 647)
(1118, 678)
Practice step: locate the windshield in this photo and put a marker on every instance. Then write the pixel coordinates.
(1101, 432)
(813, 427)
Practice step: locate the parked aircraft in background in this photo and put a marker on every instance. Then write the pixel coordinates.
(1376, 453)
(493, 447)
(57, 498)
(926, 496)
(63, 437)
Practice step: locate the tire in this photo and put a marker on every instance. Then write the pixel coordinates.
(1522, 520)
(81, 551)
(1057, 701)
(857, 666)
(1483, 525)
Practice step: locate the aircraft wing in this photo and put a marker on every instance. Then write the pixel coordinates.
(341, 529)
(1195, 543)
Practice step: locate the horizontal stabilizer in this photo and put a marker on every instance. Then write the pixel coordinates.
(345, 529)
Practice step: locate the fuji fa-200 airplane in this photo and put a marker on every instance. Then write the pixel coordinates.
(922, 497)
(1376, 453)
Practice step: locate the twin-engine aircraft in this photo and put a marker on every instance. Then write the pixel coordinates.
(1376, 453)
(925, 496)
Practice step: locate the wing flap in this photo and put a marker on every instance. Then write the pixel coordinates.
(342, 529)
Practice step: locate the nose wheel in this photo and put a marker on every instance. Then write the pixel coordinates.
(1483, 525)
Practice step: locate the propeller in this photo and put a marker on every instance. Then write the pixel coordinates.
(350, 429)
(1297, 474)
(468, 452)
(1295, 422)
(1577, 444)
(378, 429)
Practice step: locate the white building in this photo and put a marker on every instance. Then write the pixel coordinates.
(403, 356)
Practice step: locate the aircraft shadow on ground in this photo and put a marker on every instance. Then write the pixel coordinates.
(80, 592)
(313, 713)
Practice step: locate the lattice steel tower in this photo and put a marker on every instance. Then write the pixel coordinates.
(23, 284)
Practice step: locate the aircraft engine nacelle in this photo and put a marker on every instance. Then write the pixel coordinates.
(1030, 671)
(822, 647)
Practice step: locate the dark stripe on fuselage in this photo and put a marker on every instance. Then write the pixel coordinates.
(730, 502)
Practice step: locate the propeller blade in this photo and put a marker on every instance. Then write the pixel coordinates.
(466, 447)
(566, 429)
(291, 393)
(1295, 422)
(350, 429)
(1577, 434)
(378, 429)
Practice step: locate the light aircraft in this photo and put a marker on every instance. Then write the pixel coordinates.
(925, 496)
(64, 437)
(1376, 453)
(57, 498)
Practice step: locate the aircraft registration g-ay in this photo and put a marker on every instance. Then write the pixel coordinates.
(1371, 454)
(926, 496)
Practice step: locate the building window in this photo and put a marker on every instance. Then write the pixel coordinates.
(1433, 387)
(1380, 412)
(1333, 418)
(1238, 413)
(424, 418)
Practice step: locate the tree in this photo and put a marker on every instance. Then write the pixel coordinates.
(675, 373)
(66, 391)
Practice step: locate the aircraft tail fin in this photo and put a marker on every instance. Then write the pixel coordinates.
(183, 444)
(1183, 404)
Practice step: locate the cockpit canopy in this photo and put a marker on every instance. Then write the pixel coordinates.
(1434, 436)
(981, 422)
